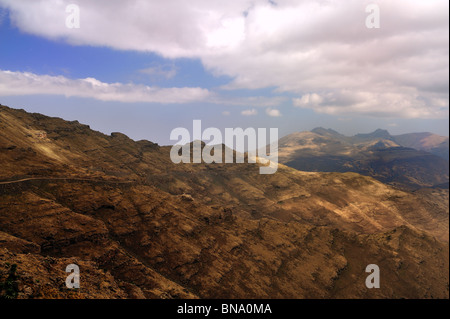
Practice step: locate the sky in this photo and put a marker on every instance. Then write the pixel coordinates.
(145, 68)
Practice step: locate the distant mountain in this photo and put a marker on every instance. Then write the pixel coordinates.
(432, 143)
(378, 134)
(140, 226)
(322, 131)
(377, 154)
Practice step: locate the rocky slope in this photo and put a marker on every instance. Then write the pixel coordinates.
(140, 226)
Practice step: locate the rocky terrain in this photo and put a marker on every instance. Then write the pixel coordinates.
(405, 161)
(140, 226)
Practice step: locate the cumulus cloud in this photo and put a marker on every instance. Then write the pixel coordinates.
(25, 83)
(249, 112)
(158, 71)
(308, 100)
(320, 51)
(273, 112)
(257, 101)
(382, 101)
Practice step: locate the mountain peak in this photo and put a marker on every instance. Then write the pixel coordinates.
(378, 133)
(324, 131)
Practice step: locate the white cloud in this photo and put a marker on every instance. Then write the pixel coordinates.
(381, 101)
(18, 83)
(26, 83)
(249, 112)
(226, 113)
(273, 112)
(312, 48)
(157, 71)
(257, 101)
(308, 100)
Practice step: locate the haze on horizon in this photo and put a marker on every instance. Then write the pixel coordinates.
(146, 67)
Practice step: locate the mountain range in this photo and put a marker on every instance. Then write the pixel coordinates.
(140, 226)
(409, 161)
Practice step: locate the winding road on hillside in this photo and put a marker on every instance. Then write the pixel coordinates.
(63, 179)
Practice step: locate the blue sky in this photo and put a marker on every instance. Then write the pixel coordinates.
(145, 77)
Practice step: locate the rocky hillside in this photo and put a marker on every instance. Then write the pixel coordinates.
(140, 226)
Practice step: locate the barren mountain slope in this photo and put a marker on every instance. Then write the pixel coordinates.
(140, 226)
